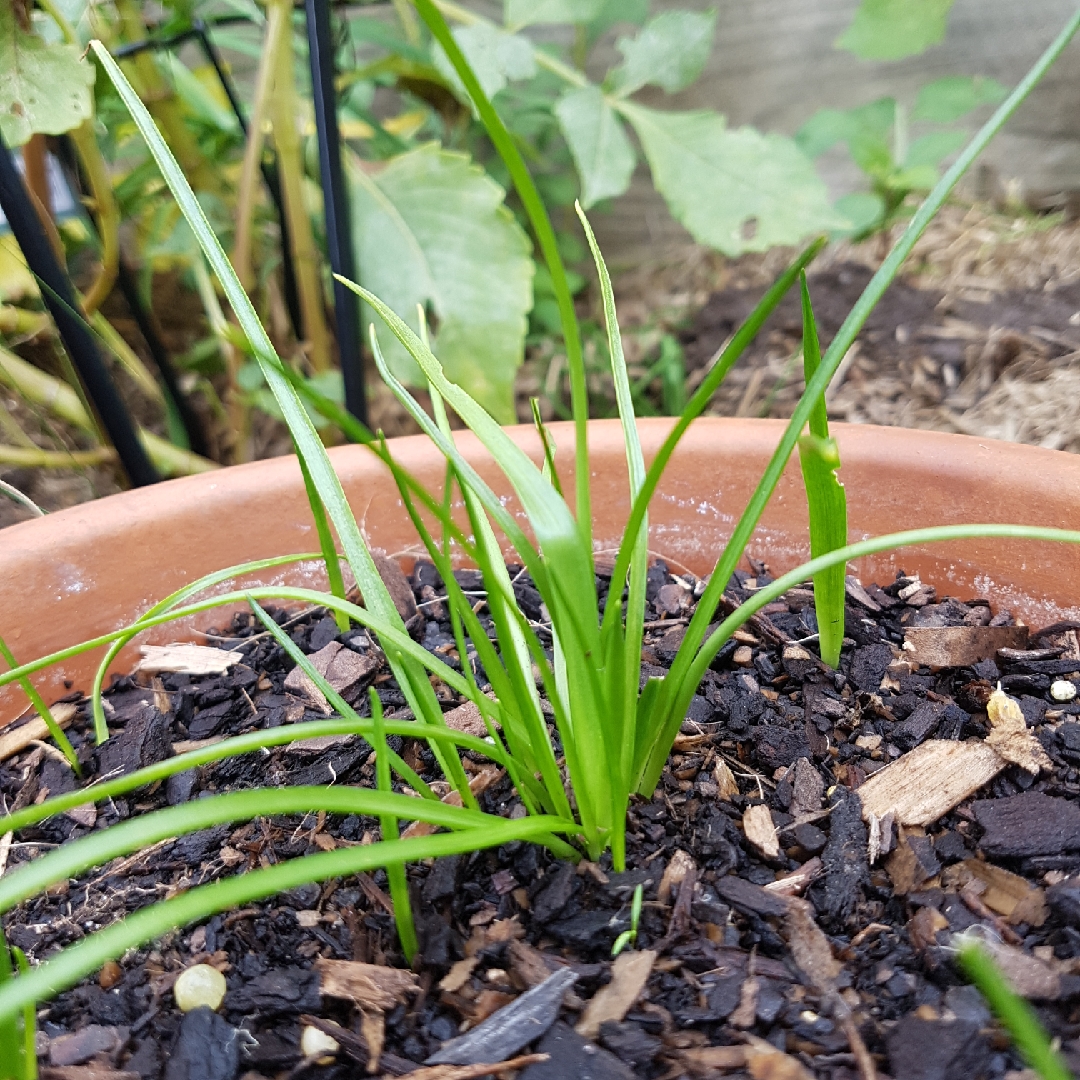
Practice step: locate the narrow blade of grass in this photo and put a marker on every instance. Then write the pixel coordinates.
(388, 824)
(326, 543)
(622, 644)
(819, 457)
(343, 708)
(507, 149)
(38, 702)
(1013, 1011)
(86, 957)
(410, 676)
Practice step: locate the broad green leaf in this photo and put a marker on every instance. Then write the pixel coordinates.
(916, 178)
(827, 127)
(948, 99)
(43, 88)
(735, 190)
(893, 29)
(602, 152)
(495, 56)
(669, 51)
(518, 13)
(863, 209)
(431, 229)
(932, 149)
(826, 500)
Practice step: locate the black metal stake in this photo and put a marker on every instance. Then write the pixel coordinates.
(336, 206)
(59, 297)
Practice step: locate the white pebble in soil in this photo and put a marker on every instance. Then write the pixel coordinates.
(1062, 690)
(317, 1044)
(198, 985)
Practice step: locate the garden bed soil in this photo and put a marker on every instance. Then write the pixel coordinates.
(980, 334)
(773, 941)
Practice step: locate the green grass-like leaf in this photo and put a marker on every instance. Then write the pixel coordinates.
(1013, 1011)
(820, 458)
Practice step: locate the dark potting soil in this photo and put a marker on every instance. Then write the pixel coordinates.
(859, 972)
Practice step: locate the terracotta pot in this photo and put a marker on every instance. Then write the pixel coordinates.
(95, 567)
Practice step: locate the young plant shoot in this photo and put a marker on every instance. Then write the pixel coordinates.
(612, 736)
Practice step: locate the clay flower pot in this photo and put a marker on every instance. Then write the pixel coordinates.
(93, 568)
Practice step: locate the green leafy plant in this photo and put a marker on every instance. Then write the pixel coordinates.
(613, 734)
(878, 138)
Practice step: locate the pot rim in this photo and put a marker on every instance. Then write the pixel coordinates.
(93, 567)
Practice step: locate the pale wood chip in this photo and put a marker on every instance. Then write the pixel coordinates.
(459, 973)
(798, 880)
(725, 780)
(34, 730)
(745, 1014)
(341, 667)
(760, 831)
(1030, 977)
(704, 1060)
(373, 1031)
(629, 974)
(810, 948)
(371, 986)
(961, 646)
(186, 659)
(927, 782)
(1010, 737)
(468, 719)
(1006, 893)
(677, 868)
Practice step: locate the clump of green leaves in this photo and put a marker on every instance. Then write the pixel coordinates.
(878, 136)
(615, 735)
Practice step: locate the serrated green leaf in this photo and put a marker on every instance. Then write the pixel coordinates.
(44, 88)
(669, 51)
(496, 57)
(932, 149)
(735, 190)
(892, 29)
(946, 100)
(598, 142)
(431, 229)
(518, 13)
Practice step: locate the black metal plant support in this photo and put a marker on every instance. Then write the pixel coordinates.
(336, 206)
(59, 298)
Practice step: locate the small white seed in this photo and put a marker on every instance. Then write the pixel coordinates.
(1063, 690)
(198, 985)
(317, 1044)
